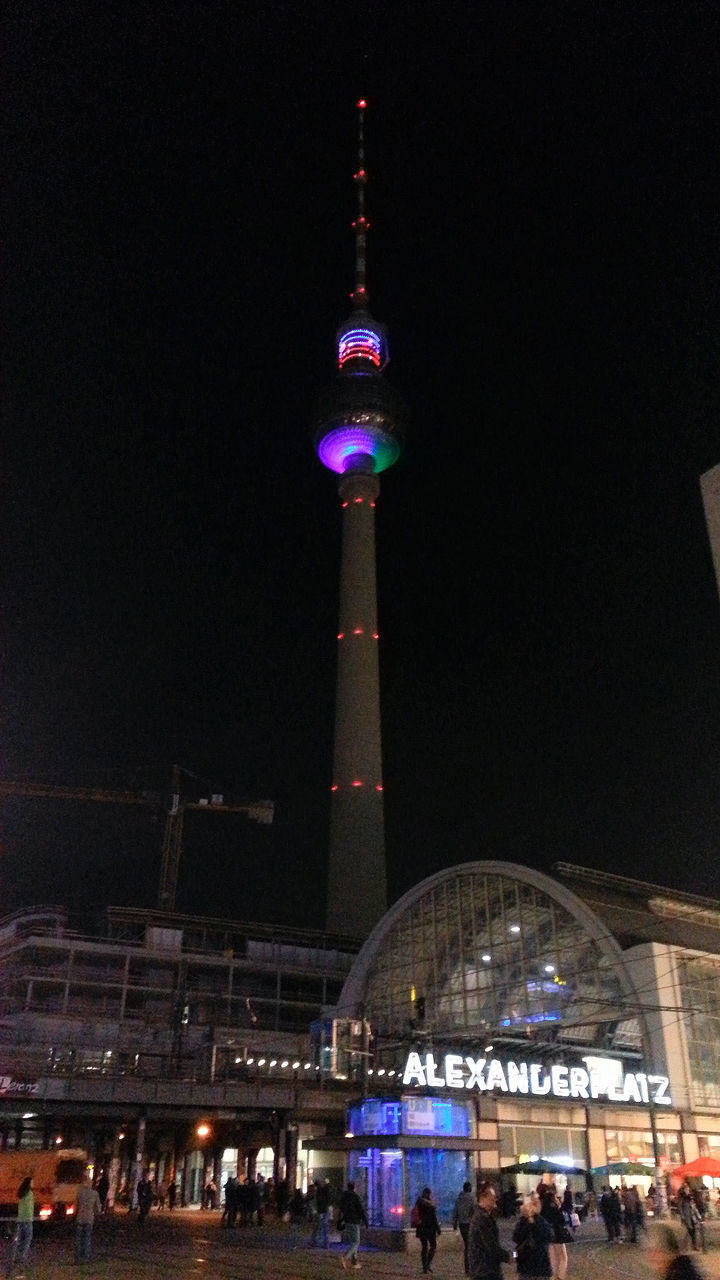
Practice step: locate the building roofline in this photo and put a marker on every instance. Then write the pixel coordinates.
(639, 888)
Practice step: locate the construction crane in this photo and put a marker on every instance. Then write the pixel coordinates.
(261, 811)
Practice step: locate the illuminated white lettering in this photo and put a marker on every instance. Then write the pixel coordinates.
(559, 1077)
(437, 1082)
(661, 1091)
(604, 1077)
(475, 1078)
(631, 1089)
(517, 1077)
(454, 1077)
(496, 1076)
(413, 1073)
(535, 1085)
(579, 1080)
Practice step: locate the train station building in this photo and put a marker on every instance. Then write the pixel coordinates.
(496, 1017)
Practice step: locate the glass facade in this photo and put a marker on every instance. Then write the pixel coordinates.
(700, 988)
(420, 1116)
(389, 1181)
(482, 955)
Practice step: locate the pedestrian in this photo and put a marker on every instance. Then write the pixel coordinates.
(561, 1236)
(689, 1215)
(668, 1262)
(232, 1192)
(462, 1217)
(172, 1193)
(631, 1211)
(22, 1238)
(144, 1196)
(616, 1214)
(509, 1201)
(427, 1227)
(282, 1197)
(87, 1205)
(351, 1216)
(485, 1253)
(606, 1213)
(531, 1237)
(261, 1194)
(103, 1188)
(701, 1205)
(253, 1200)
(321, 1219)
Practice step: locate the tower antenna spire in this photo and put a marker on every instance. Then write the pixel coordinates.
(361, 225)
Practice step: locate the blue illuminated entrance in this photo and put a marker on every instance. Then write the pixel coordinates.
(390, 1176)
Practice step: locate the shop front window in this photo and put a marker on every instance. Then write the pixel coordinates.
(637, 1145)
(520, 1143)
(444, 1172)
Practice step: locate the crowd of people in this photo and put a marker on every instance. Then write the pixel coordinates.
(544, 1227)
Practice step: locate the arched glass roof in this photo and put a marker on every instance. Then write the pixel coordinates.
(491, 950)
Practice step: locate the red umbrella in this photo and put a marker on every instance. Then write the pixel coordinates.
(697, 1168)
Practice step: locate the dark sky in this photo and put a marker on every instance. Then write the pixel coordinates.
(544, 198)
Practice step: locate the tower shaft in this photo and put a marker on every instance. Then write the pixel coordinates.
(358, 435)
(357, 881)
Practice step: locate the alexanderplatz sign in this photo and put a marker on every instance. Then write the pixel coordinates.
(603, 1079)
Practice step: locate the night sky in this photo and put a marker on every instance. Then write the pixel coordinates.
(544, 201)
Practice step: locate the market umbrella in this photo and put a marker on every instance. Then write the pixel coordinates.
(623, 1166)
(698, 1168)
(540, 1166)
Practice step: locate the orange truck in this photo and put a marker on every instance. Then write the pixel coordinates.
(57, 1176)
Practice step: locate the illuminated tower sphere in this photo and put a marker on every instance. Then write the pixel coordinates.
(358, 435)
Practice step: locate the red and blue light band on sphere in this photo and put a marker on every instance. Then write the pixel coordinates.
(360, 344)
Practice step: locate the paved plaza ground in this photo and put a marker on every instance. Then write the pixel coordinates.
(190, 1243)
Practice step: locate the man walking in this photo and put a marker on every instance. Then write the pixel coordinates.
(351, 1216)
(321, 1218)
(462, 1217)
(87, 1205)
(485, 1253)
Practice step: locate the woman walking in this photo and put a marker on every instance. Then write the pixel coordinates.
(561, 1235)
(428, 1227)
(531, 1238)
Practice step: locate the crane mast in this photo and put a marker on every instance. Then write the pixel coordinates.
(261, 811)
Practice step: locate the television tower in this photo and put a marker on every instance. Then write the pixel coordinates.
(358, 434)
